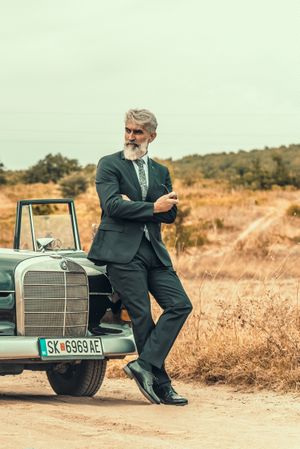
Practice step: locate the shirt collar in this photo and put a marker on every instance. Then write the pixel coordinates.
(145, 159)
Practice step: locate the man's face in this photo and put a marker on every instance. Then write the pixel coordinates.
(137, 139)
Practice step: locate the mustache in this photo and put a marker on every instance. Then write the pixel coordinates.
(132, 144)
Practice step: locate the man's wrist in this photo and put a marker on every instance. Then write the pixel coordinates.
(155, 208)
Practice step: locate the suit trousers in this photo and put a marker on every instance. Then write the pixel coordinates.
(133, 281)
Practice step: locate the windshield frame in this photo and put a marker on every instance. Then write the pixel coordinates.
(20, 204)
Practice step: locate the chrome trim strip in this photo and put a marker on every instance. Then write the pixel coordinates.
(50, 285)
(32, 298)
(59, 313)
(118, 346)
(50, 326)
(75, 227)
(100, 294)
(14, 348)
(65, 309)
(32, 227)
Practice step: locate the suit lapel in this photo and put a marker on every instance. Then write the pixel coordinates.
(128, 165)
(151, 176)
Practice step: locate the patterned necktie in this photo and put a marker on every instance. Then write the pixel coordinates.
(144, 187)
(142, 177)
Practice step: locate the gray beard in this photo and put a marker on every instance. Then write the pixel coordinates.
(133, 152)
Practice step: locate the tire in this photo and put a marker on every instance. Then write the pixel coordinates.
(83, 379)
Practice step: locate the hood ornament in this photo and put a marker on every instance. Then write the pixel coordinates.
(63, 265)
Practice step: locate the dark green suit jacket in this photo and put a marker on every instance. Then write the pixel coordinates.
(122, 222)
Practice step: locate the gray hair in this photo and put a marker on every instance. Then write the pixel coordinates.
(142, 117)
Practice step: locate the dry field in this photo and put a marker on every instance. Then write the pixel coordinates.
(243, 282)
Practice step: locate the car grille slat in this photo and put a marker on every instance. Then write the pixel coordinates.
(75, 331)
(44, 291)
(44, 277)
(56, 303)
(76, 292)
(75, 319)
(36, 305)
(44, 319)
(77, 306)
(54, 319)
(76, 279)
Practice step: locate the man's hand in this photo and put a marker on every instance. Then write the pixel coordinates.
(125, 197)
(165, 202)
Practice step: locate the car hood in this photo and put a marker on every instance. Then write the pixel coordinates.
(10, 258)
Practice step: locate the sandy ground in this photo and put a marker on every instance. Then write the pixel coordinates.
(118, 417)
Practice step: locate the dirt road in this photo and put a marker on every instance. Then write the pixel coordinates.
(118, 417)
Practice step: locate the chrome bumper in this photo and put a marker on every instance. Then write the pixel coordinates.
(18, 348)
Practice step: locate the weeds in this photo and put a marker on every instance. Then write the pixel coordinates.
(293, 210)
(253, 342)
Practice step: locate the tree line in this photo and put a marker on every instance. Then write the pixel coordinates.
(72, 178)
(256, 169)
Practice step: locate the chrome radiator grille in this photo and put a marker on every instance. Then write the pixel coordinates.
(56, 302)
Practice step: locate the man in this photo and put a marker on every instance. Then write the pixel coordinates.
(136, 196)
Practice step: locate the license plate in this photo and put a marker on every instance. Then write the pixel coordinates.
(72, 348)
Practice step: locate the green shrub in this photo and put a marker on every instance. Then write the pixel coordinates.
(295, 239)
(182, 236)
(2, 174)
(51, 168)
(73, 185)
(293, 210)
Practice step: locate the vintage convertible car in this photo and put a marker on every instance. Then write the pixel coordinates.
(52, 298)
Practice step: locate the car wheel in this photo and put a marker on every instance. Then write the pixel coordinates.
(83, 379)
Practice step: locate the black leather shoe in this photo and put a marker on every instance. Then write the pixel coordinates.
(144, 380)
(102, 330)
(168, 395)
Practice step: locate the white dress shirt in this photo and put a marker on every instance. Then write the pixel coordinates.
(145, 158)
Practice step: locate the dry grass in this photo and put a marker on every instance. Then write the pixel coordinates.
(250, 340)
(244, 284)
(242, 333)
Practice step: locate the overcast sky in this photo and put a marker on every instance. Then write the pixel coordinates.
(219, 75)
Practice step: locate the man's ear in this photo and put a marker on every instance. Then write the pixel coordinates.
(152, 136)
